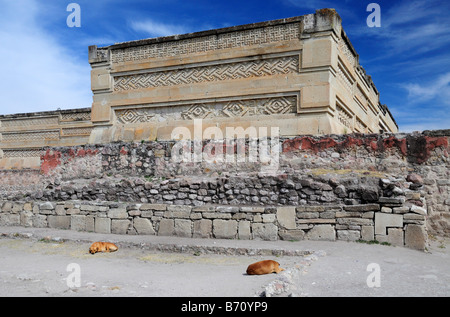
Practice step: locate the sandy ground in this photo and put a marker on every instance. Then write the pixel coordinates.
(45, 267)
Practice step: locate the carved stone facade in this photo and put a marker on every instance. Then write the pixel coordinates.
(300, 74)
(24, 135)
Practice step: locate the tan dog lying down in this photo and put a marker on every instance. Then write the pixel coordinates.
(102, 247)
(264, 267)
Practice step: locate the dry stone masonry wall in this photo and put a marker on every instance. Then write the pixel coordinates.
(390, 220)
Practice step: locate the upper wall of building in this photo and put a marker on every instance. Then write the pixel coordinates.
(300, 74)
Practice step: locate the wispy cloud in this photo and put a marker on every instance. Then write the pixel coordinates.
(438, 89)
(156, 29)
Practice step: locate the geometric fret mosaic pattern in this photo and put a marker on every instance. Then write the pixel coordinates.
(206, 110)
(210, 73)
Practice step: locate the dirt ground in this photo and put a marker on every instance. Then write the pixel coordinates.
(48, 262)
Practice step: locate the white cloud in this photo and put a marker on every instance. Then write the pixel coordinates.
(38, 73)
(157, 29)
(438, 89)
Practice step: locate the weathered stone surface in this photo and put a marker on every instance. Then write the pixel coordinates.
(59, 222)
(418, 210)
(9, 219)
(166, 227)
(102, 225)
(202, 228)
(26, 219)
(348, 235)
(286, 217)
(118, 213)
(120, 226)
(224, 229)
(382, 221)
(362, 208)
(183, 228)
(367, 233)
(321, 232)
(416, 237)
(292, 235)
(78, 222)
(244, 231)
(265, 231)
(394, 236)
(143, 226)
(392, 200)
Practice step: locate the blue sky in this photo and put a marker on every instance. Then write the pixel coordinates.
(45, 63)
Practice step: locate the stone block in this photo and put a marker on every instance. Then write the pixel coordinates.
(185, 214)
(362, 208)
(391, 200)
(355, 221)
(9, 219)
(158, 207)
(367, 233)
(291, 235)
(383, 220)
(416, 237)
(102, 225)
(40, 221)
(166, 227)
(308, 215)
(60, 210)
(143, 226)
(321, 232)
(394, 236)
(348, 235)
(227, 209)
(252, 209)
(180, 208)
(120, 226)
(418, 210)
(17, 208)
(224, 229)
(59, 222)
(90, 223)
(118, 213)
(7, 207)
(265, 231)
(183, 228)
(78, 222)
(268, 218)
(47, 206)
(244, 232)
(401, 210)
(26, 219)
(286, 217)
(202, 228)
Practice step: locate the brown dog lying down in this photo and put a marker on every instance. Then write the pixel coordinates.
(102, 247)
(264, 267)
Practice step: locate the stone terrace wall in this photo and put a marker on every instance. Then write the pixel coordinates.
(404, 175)
(388, 221)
